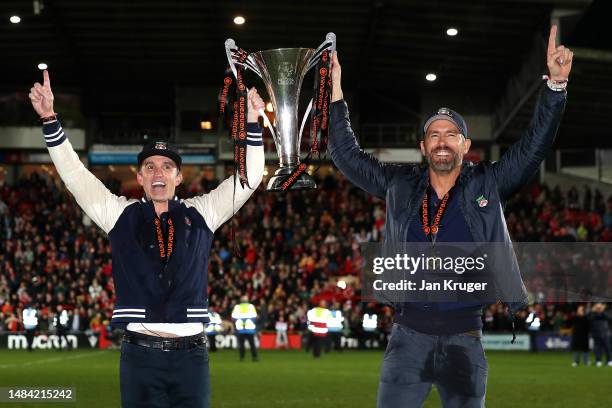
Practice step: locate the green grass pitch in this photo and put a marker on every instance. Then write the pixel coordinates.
(293, 379)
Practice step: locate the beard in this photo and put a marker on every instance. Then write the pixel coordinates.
(444, 164)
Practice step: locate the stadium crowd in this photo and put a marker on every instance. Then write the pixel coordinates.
(294, 247)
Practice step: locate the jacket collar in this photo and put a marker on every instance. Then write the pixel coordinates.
(150, 208)
(174, 199)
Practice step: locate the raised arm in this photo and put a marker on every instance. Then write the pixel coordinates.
(222, 203)
(521, 161)
(361, 168)
(93, 197)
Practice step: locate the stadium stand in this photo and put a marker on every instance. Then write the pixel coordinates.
(293, 248)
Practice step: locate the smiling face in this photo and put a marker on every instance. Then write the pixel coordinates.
(444, 146)
(159, 178)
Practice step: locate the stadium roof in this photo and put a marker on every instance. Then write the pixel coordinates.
(386, 48)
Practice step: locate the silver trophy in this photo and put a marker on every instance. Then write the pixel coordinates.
(282, 71)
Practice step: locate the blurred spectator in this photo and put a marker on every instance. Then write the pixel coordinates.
(580, 336)
(600, 323)
(281, 333)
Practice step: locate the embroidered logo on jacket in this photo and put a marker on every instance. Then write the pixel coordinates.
(482, 201)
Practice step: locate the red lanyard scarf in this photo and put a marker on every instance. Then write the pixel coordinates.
(432, 232)
(165, 252)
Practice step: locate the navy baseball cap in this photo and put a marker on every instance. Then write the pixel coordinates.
(449, 115)
(160, 148)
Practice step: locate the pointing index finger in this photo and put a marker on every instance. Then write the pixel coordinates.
(46, 80)
(552, 39)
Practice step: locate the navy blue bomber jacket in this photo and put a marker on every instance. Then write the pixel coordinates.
(147, 289)
(403, 186)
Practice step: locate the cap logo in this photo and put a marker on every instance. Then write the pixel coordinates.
(160, 146)
(445, 111)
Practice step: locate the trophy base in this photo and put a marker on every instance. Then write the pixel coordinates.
(304, 180)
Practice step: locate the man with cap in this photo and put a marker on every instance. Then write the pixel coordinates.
(161, 248)
(447, 200)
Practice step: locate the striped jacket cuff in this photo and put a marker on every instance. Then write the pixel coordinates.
(254, 134)
(53, 133)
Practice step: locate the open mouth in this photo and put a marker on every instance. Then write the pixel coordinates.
(158, 186)
(442, 153)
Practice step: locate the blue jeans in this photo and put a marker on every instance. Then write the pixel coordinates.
(413, 361)
(152, 378)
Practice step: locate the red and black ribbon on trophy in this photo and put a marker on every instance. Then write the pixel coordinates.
(239, 118)
(234, 92)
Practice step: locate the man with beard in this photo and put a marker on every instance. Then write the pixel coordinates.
(446, 200)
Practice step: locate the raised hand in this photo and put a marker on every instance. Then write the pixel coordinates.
(255, 103)
(559, 59)
(336, 78)
(42, 97)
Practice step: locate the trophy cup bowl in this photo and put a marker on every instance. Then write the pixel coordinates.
(282, 71)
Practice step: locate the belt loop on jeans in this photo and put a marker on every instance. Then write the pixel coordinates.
(166, 345)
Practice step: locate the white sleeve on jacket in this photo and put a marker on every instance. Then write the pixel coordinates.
(221, 204)
(102, 206)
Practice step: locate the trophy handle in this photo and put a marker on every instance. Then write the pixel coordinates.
(250, 64)
(305, 117)
(230, 47)
(329, 43)
(230, 50)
